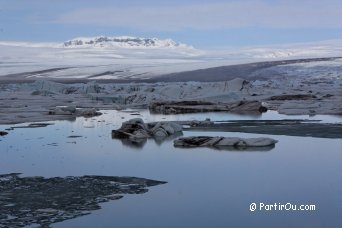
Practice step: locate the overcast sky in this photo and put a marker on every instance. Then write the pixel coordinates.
(203, 23)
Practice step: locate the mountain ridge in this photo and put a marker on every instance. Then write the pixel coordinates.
(123, 41)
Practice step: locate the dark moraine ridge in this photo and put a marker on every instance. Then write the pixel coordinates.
(21, 76)
(302, 128)
(222, 73)
(225, 73)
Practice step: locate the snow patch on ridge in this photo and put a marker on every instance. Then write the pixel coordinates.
(123, 42)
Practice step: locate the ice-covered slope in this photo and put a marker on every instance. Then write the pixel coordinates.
(136, 58)
(96, 58)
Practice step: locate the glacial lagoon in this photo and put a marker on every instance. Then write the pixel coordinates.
(205, 187)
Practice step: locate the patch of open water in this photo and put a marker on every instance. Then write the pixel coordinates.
(206, 187)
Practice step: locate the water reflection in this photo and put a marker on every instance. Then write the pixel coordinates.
(119, 116)
(38, 200)
(140, 143)
(136, 144)
(237, 149)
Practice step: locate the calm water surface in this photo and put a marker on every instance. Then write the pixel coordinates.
(206, 187)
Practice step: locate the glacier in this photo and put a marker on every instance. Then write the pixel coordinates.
(134, 58)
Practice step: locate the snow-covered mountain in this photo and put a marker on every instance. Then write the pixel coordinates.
(124, 42)
(140, 58)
